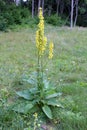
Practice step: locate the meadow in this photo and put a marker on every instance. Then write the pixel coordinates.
(67, 71)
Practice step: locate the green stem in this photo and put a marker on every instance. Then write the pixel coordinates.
(38, 70)
(42, 67)
(42, 85)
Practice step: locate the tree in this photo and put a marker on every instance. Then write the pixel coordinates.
(72, 11)
(57, 9)
(32, 8)
(76, 12)
(43, 6)
(39, 5)
(17, 2)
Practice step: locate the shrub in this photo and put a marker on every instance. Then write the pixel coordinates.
(9, 18)
(16, 14)
(25, 13)
(3, 23)
(11, 14)
(82, 20)
(32, 22)
(55, 20)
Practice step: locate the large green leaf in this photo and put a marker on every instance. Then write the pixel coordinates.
(34, 90)
(49, 92)
(46, 109)
(53, 102)
(31, 79)
(23, 107)
(25, 94)
(46, 84)
(53, 95)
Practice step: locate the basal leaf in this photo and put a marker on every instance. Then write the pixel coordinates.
(46, 84)
(53, 102)
(25, 94)
(23, 107)
(31, 79)
(33, 90)
(53, 95)
(46, 109)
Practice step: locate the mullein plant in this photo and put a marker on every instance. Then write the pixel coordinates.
(41, 43)
(42, 94)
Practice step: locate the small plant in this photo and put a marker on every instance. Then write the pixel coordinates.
(42, 94)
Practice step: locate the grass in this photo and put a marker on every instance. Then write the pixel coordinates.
(67, 70)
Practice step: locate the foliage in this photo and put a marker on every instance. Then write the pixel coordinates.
(82, 20)
(3, 23)
(31, 22)
(33, 97)
(55, 20)
(11, 15)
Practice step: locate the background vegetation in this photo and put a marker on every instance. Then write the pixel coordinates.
(56, 12)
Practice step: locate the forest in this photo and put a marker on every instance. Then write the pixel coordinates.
(56, 12)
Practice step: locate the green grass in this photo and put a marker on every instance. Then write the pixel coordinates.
(67, 70)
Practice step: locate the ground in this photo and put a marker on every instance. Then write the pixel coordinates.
(67, 70)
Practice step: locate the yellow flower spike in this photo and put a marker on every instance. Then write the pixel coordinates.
(51, 50)
(41, 40)
(40, 13)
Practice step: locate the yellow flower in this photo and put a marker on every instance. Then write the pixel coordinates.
(40, 13)
(51, 50)
(41, 40)
(35, 115)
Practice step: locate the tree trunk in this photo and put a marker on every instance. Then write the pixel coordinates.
(17, 2)
(72, 9)
(39, 5)
(49, 10)
(57, 9)
(43, 6)
(61, 7)
(32, 8)
(76, 13)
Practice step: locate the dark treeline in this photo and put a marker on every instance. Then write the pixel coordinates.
(56, 12)
(63, 8)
